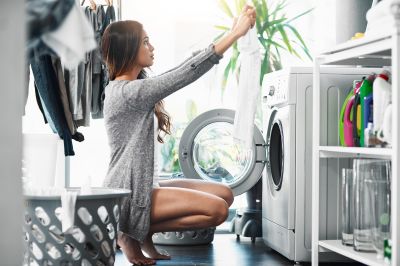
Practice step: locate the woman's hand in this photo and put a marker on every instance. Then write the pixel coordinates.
(242, 24)
(245, 21)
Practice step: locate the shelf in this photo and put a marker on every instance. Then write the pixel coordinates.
(373, 52)
(351, 152)
(348, 251)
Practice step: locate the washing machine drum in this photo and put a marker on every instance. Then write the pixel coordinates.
(207, 151)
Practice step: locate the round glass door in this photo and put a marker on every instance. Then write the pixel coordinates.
(217, 158)
(275, 154)
(207, 151)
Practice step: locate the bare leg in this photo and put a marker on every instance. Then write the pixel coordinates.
(132, 251)
(217, 189)
(179, 209)
(220, 190)
(150, 250)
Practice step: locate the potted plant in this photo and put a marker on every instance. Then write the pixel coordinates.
(275, 34)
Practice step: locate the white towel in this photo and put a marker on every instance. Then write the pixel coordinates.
(68, 200)
(72, 39)
(249, 88)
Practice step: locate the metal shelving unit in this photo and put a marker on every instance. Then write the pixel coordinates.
(378, 51)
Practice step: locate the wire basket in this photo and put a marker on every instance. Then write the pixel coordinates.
(92, 240)
(196, 237)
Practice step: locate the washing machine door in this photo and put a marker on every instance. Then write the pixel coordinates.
(207, 151)
(280, 183)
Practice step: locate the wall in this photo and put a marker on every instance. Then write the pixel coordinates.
(12, 76)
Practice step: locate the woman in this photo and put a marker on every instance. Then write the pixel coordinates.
(132, 100)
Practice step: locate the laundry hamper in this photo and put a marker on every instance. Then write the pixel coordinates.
(196, 237)
(93, 238)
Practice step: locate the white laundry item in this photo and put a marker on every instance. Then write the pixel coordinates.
(249, 88)
(380, 19)
(68, 200)
(72, 39)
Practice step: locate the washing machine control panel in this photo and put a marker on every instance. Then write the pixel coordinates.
(275, 90)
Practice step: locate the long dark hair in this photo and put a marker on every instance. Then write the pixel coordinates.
(120, 46)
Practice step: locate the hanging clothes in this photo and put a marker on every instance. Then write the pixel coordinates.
(48, 88)
(249, 88)
(72, 39)
(43, 17)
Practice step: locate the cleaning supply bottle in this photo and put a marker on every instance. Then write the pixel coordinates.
(365, 90)
(368, 111)
(356, 117)
(382, 93)
(345, 117)
(369, 135)
(348, 124)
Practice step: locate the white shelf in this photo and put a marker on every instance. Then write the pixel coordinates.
(348, 251)
(357, 152)
(365, 51)
(377, 51)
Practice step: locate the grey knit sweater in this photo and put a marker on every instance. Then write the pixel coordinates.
(129, 122)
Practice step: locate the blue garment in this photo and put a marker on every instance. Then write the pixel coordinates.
(47, 85)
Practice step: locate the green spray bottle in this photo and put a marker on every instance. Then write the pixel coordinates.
(365, 90)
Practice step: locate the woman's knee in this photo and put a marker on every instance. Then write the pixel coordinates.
(228, 195)
(219, 212)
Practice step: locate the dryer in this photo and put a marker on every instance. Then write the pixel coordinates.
(287, 129)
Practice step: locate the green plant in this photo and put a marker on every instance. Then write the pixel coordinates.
(275, 34)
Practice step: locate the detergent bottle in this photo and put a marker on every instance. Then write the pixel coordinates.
(356, 114)
(365, 91)
(343, 119)
(382, 94)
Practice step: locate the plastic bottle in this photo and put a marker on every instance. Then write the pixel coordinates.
(369, 135)
(365, 90)
(382, 94)
(356, 117)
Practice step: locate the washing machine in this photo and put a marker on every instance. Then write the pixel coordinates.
(207, 151)
(287, 130)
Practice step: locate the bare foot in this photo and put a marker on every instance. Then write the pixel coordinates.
(132, 251)
(151, 251)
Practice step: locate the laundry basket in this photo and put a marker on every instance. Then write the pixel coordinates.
(93, 237)
(195, 237)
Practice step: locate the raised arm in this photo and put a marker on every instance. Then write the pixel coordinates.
(154, 89)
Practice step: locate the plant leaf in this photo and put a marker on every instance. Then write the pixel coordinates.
(219, 36)
(285, 38)
(264, 8)
(278, 8)
(220, 27)
(272, 23)
(305, 50)
(225, 8)
(303, 44)
(300, 15)
(265, 67)
(225, 77)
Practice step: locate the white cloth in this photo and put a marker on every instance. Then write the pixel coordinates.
(249, 88)
(68, 201)
(72, 39)
(380, 19)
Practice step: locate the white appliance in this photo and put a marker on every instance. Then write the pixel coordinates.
(281, 155)
(287, 122)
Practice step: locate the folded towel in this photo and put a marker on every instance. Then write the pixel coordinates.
(68, 200)
(249, 88)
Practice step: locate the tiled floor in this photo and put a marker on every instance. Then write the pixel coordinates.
(225, 250)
